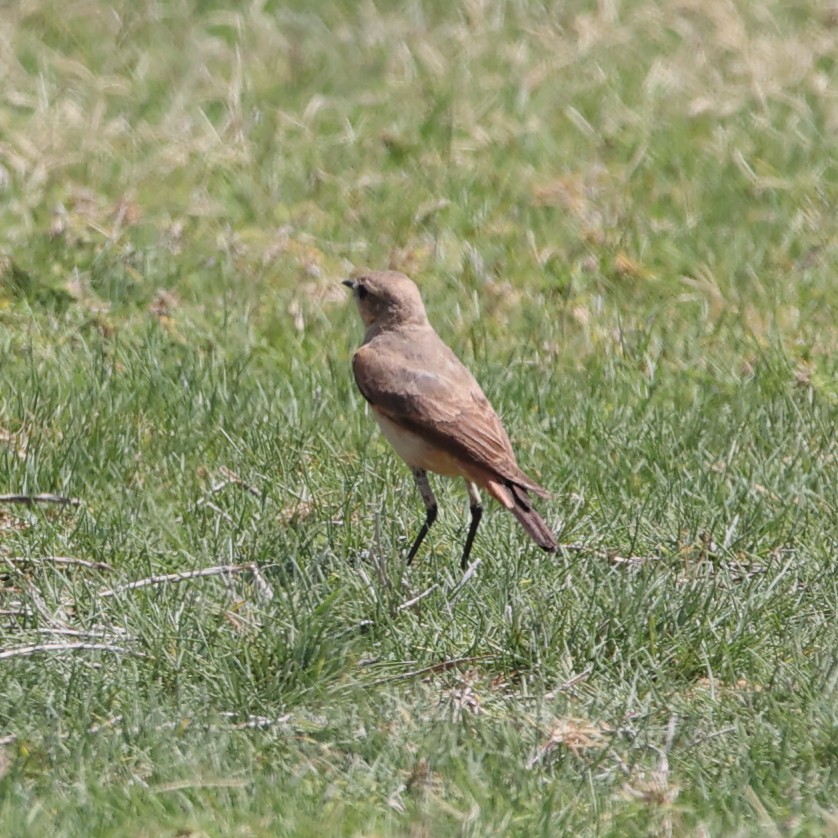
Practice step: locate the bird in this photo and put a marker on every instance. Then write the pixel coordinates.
(432, 411)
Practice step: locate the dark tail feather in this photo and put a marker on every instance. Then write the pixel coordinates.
(530, 520)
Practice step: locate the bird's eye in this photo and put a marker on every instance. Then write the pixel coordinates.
(362, 292)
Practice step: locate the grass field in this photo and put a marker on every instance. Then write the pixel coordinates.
(622, 215)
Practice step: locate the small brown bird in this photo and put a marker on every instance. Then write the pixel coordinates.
(431, 409)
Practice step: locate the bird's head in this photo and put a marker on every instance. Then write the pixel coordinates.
(387, 299)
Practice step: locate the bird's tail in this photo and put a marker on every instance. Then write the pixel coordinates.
(517, 501)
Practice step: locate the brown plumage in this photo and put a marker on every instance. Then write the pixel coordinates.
(431, 409)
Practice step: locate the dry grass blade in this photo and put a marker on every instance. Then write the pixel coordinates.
(469, 573)
(418, 598)
(29, 500)
(166, 578)
(569, 684)
(179, 785)
(27, 651)
(59, 560)
(234, 478)
(255, 722)
(442, 666)
(114, 633)
(208, 504)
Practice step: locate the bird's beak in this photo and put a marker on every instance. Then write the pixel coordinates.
(349, 283)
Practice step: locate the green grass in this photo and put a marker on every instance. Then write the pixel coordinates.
(621, 215)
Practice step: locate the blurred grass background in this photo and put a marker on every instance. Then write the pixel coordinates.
(621, 214)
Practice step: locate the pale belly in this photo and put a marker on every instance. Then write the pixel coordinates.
(418, 453)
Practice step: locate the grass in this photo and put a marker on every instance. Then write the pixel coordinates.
(621, 215)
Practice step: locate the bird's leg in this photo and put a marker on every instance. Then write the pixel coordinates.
(476, 508)
(421, 478)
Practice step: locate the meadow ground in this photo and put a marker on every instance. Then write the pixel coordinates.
(622, 216)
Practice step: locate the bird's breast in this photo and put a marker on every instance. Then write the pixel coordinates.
(418, 452)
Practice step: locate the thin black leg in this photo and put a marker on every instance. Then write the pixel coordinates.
(421, 478)
(476, 508)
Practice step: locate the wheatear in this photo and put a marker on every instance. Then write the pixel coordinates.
(431, 409)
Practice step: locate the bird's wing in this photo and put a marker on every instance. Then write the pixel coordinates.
(420, 384)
